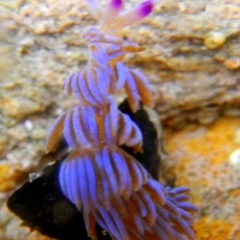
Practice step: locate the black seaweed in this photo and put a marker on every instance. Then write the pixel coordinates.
(43, 207)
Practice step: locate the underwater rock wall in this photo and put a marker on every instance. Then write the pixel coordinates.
(192, 53)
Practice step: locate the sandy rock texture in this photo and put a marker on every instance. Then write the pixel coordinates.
(192, 59)
(207, 160)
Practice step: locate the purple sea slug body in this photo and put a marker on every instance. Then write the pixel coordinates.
(107, 184)
(100, 178)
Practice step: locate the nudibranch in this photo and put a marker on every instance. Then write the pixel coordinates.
(107, 184)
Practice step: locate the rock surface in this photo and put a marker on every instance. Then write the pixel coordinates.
(192, 58)
(208, 161)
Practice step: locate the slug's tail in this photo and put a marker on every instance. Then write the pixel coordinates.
(115, 191)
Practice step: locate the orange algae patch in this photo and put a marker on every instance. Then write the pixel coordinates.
(8, 177)
(202, 163)
(216, 141)
(6, 183)
(208, 229)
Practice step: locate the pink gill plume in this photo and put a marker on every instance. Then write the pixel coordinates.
(108, 185)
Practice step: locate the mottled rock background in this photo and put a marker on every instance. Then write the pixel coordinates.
(192, 59)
